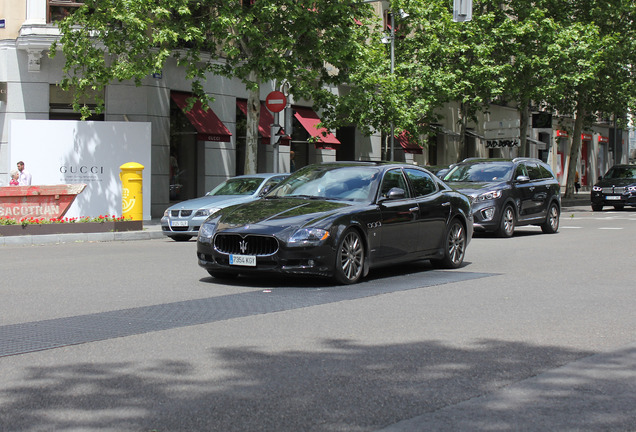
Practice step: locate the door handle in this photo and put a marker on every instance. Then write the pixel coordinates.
(414, 209)
(445, 204)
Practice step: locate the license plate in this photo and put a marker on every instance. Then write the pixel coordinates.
(612, 197)
(243, 260)
(179, 223)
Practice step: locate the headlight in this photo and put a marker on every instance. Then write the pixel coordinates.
(308, 237)
(631, 188)
(206, 232)
(489, 195)
(166, 213)
(205, 212)
(597, 188)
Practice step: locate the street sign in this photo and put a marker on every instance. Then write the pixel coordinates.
(275, 101)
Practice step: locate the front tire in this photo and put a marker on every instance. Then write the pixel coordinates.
(181, 237)
(507, 223)
(349, 258)
(597, 207)
(454, 247)
(551, 224)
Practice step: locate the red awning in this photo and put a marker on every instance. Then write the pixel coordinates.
(265, 121)
(408, 144)
(309, 120)
(207, 124)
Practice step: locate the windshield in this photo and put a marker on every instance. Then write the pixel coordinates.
(237, 186)
(480, 172)
(621, 172)
(350, 183)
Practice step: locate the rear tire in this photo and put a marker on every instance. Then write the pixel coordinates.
(597, 207)
(619, 207)
(507, 223)
(349, 258)
(551, 224)
(454, 247)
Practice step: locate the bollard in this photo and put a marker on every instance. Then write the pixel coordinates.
(132, 190)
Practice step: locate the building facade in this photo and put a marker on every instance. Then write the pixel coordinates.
(191, 152)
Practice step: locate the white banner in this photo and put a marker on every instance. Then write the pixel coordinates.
(76, 152)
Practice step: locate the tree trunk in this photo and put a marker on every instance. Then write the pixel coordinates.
(253, 118)
(573, 158)
(524, 115)
(463, 119)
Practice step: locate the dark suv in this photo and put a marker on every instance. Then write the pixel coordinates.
(507, 193)
(617, 188)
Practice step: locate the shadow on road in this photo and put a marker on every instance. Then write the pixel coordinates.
(339, 386)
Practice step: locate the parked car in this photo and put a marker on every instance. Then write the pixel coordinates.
(181, 221)
(339, 220)
(617, 188)
(508, 193)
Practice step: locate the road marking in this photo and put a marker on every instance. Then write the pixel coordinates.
(571, 227)
(610, 228)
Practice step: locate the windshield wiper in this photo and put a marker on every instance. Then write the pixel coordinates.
(312, 197)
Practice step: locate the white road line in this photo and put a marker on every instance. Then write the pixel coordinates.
(610, 228)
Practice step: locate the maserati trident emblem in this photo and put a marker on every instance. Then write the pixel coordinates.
(243, 246)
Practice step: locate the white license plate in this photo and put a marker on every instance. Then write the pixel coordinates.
(612, 197)
(243, 260)
(179, 223)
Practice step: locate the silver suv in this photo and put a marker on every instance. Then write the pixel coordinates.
(508, 192)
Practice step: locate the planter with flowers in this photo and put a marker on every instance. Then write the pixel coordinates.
(41, 226)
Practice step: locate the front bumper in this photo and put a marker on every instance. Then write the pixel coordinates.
(604, 199)
(486, 216)
(316, 260)
(181, 226)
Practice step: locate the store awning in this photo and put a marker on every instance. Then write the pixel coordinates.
(309, 120)
(265, 121)
(408, 144)
(207, 124)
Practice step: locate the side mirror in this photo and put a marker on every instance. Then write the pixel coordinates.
(523, 179)
(395, 194)
(265, 189)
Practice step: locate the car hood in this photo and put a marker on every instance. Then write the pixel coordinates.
(273, 215)
(615, 182)
(211, 201)
(475, 188)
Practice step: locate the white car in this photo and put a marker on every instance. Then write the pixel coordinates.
(181, 221)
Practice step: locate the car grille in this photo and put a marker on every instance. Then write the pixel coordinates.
(180, 213)
(614, 190)
(245, 245)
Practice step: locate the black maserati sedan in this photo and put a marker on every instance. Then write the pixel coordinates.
(339, 220)
(617, 188)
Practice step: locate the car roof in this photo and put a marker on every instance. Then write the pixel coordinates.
(260, 175)
(515, 160)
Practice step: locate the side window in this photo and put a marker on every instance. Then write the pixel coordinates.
(422, 183)
(534, 172)
(394, 178)
(545, 172)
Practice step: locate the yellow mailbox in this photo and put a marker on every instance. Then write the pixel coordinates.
(131, 176)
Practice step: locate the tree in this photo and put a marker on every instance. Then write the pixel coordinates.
(310, 44)
(592, 58)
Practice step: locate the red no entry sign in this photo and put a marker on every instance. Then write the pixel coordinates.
(275, 101)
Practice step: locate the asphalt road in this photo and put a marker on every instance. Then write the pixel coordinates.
(534, 333)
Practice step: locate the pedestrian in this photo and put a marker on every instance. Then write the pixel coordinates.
(25, 176)
(577, 182)
(15, 176)
(292, 162)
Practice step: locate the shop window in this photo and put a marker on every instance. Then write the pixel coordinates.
(61, 104)
(60, 9)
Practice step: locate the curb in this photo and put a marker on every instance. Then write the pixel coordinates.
(150, 234)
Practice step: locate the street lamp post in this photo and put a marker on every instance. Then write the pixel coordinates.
(392, 36)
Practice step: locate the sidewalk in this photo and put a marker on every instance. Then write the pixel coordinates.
(151, 230)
